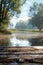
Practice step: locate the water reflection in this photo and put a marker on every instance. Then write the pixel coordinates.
(21, 41)
(4, 42)
(36, 42)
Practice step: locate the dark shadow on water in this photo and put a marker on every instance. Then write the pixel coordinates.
(36, 42)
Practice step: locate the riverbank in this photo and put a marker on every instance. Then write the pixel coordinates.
(10, 31)
(24, 31)
(5, 32)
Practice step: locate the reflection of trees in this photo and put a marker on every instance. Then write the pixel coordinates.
(4, 42)
(36, 42)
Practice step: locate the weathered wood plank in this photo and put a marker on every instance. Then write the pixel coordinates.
(21, 54)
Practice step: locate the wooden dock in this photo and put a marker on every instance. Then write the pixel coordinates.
(21, 54)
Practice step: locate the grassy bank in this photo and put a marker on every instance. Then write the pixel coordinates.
(9, 31)
(17, 31)
(5, 32)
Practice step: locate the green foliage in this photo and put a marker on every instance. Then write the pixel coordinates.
(9, 6)
(7, 9)
(37, 15)
(34, 9)
(21, 25)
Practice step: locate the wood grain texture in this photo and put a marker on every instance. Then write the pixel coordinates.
(21, 54)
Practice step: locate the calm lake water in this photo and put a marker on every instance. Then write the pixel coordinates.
(22, 40)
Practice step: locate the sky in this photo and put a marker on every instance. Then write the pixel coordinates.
(24, 15)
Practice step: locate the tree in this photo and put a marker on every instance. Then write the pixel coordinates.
(21, 25)
(8, 7)
(37, 15)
